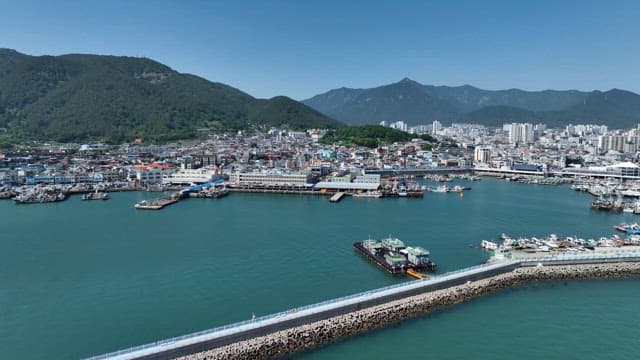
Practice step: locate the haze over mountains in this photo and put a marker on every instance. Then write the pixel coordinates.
(415, 103)
(113, 98)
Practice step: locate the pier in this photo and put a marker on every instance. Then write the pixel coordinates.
(337, 197)
(318, 324)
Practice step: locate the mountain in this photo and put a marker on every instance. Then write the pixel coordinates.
(415, 103)
(92, 97)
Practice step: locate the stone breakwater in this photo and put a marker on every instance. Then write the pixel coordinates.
(286, 342)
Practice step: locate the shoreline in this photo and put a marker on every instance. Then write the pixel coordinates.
(320, 333)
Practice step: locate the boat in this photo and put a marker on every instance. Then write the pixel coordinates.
(39, 197)
(402, 191)
(368, 194)
(440, 189)
(394, 256)
(97, 195)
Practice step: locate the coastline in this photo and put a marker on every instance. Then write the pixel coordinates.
(287, 342)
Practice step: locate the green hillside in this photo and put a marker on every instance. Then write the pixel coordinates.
(370, 136)
(91, 97)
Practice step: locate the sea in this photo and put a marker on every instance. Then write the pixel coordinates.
(81, 278)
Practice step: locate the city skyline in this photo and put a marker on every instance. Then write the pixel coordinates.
(303, 49)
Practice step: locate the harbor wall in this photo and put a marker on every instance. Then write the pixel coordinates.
(303, 337)
(172, 348)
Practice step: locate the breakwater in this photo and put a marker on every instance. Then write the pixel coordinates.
(315, 325)
(305, 337)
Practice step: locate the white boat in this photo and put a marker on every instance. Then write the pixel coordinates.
(630, 193)
(368, 194)
(489, 245)
(440, 189)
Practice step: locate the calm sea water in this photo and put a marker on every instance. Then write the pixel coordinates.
(82, 278)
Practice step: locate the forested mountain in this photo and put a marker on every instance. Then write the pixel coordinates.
(415, 103)
(112, 98)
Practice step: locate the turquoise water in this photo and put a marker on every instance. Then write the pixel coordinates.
(82, 278)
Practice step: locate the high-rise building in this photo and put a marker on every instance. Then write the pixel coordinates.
(436, 127)
(520, 133)
(612, 142)
(482, 155)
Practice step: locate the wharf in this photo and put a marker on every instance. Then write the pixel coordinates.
(337, 197)
(157, 204)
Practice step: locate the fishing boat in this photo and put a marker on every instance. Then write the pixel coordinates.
(97, 195)
(368, 194)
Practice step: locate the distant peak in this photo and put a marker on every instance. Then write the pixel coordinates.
(406, 80)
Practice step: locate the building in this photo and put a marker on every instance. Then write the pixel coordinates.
(436, 127)
(368, 182)
(520, 133)
(189, 176)
(271, 178)
(400, 125)
(611, 142)
(482, 155)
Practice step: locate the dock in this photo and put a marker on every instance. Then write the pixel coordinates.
(337, 197)
(157, 204)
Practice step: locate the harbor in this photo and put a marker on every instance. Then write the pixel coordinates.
(174, 255)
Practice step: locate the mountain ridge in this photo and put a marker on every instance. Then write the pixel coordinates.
(615, 107)
(82, 97)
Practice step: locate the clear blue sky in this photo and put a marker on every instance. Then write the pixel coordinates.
(302, 48)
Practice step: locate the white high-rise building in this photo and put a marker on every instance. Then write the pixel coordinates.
(520, 133)
(400, 125)
(482, 155)
(436, 127)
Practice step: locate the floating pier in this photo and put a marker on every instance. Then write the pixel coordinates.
(157, 204)
(336, 197)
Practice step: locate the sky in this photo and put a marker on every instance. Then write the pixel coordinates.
(306, 47)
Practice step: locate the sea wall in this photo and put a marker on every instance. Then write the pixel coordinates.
(308, 336)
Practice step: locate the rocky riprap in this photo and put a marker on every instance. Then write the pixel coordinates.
(285, 342)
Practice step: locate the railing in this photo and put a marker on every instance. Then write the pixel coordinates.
(367, 294)
(622, 254)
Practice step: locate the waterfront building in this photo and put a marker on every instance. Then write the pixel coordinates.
(274, 178)
(367, 182)
(189, 176)
(151, 174)
(482, 155)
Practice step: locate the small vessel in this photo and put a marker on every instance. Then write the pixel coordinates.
(402, 191)
(368, 194)
(97, 195)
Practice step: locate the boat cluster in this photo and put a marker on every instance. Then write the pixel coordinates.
(449, 177)
(538, 180)
(554, 243)
(608, 188)
(38, 195)
(444, 188)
